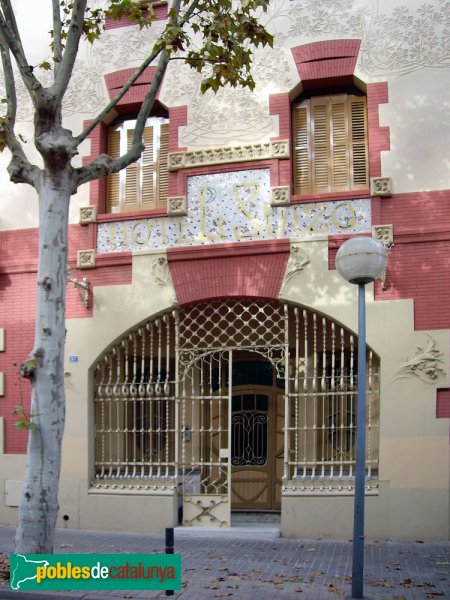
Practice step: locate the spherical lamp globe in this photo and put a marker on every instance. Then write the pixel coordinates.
(361, 260)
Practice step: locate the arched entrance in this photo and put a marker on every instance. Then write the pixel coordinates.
(229, 401)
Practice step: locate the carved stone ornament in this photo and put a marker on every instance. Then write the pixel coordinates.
(232, 154)
(298, 259)
(85, 259)
(381, 186)
(177, 206)
(280, 196)
(384, 234)
(161, 271)
(427, 364)
(88, 214)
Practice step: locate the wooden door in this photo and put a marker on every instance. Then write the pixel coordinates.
(256, 449)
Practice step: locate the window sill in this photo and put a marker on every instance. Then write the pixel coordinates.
(330, 196)
(131, 216)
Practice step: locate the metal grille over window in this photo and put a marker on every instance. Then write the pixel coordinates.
(321, 407)
(234, 400)
(135, 405)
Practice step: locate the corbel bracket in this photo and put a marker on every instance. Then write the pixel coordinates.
(82, 286)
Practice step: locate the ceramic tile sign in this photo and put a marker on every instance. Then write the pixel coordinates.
(234, 207)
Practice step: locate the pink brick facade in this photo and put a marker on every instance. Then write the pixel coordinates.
(229, 270)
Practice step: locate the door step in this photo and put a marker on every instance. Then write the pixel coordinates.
(254, 531)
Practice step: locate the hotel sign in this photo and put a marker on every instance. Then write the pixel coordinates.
(234, 207)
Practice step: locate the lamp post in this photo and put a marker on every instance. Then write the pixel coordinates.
(360, 260)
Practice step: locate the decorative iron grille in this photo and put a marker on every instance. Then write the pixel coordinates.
(163, 396)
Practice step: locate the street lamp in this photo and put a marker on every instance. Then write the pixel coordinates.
(360, 260)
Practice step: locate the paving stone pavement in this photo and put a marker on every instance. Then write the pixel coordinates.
(252, 568)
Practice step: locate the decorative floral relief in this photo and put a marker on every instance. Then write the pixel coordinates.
(280, 195)
(381, 186)
(176, 206)
(85, 259)
(384, 234)
(427, 364)
(396, 39)
(228, 154)
(298, 259)
(161, 271)
(88, 214)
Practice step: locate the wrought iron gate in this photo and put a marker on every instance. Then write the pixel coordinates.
(164, 404)
(209, 335)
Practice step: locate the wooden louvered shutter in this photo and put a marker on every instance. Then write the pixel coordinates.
(302, 180)
(163, 171)
(320, 145)
(144, 185)
(113, 181)
(148, 198)
(359, 144)
(340, 154)
(132, 172)
(330, 144)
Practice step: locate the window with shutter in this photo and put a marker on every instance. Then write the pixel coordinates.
(143, 185)
(330, 144)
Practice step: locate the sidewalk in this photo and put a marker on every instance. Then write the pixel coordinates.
(250, 568)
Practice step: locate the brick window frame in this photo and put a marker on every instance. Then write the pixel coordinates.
(323, 66)
(126, 108)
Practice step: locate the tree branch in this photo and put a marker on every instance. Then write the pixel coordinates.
(10, 86)
(10, 37)
(20, 169)
(84, 134)
(105, 165)
(189, 12)
(149, 99)
(57, 39)
(173, 20)
(64, 74)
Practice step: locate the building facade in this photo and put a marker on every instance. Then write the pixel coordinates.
(211, 345)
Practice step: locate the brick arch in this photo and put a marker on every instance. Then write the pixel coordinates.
(136, 94)
(245, 269)
(326, 63)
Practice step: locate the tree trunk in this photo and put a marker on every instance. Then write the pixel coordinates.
(45, 369)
